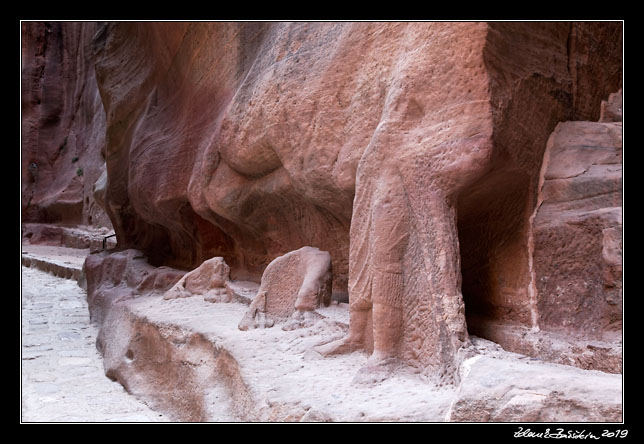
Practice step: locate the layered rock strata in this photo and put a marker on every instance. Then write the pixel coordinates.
(575, 250)
(578, 231)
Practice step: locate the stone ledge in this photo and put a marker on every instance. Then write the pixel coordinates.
(63, 262)
(187, 358)
(80, 237)
(553, 347)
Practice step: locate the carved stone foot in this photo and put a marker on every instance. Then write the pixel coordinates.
(378, 368)
(259, 320)
(338, 347)
(256, 316)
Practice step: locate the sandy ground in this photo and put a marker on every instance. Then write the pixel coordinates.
(62, 372)
(284, 375)
(63, 376)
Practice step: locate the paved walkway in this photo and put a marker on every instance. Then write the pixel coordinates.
(62, 372)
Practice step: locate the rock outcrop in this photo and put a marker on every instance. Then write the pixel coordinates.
(575, 250)
(532, 394)
(186, 357)
(208, 280)
(295, 135)
(63, 124)
(411, 152)
(299, 281)
(113, 277)
(578, 231)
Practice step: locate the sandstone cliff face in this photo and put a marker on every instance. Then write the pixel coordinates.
(411, 152)
(578, 231)
(540, 75)
(63, 124)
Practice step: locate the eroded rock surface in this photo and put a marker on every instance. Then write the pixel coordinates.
(299, 281)
(209, 280)
(187, 358)
(578, 231)
(503, 387)
(63, 124)
(575, 250)
(112, 277)
(413, 153)
(296, 135)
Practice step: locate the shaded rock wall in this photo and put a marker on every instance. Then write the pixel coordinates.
(214, 118)
(539, 75)
(63, 124)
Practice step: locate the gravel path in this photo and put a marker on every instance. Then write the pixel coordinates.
(62, 372)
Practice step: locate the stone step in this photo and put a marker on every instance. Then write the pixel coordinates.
(63, 262)
(81, 237)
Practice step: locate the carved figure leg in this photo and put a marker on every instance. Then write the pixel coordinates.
(387, 323)
(376, 279)
(388, 242)
(353, 341)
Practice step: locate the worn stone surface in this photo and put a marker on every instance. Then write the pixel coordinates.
(554, 346)
(611, 110)
(69, 236)
(208, 280)
(297, 282)
(187, 358)
(60, 261)
(578, 232)
(63, 124)
(294, 137)
(502, 387)
(116, 276)
(411, 152)
(575, 250)
(62, 376)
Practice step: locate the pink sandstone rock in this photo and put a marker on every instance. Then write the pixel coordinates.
(394, 146)
(299, 281)
(520, 390)
(411, 152)
(578, 232)
(42, 234)
(63, 124)
(209, 280)
(112, 277)
(575, 251)
(611, 110)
